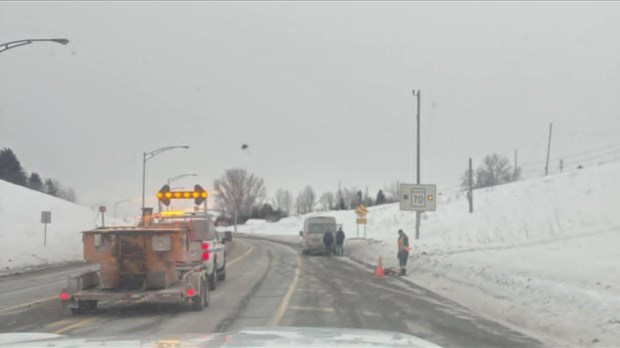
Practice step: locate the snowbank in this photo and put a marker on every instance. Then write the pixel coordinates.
(542, 255)
(21, 231)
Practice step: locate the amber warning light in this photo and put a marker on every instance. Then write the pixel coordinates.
(199, 195)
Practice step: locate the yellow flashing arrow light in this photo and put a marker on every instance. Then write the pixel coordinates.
(165, 195)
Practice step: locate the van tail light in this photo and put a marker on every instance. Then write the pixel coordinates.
(64, 296)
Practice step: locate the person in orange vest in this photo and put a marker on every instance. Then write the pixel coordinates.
(403, 251)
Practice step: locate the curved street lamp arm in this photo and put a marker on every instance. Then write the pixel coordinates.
(175, 178)
(18, 43)
(149, 155)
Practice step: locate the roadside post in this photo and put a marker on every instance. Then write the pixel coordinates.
(102, 210)
(46, 218)
(361, 212)
(418, 198)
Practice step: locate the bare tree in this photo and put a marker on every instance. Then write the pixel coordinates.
(391, 192)
(494, 170)
(237, 191)
(283, 200)
(305, 200)
(351, 199)
(327, 201)
(67, 194)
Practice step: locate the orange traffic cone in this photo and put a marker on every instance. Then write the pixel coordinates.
(379, 270)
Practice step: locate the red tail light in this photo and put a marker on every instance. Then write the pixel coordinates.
(205, 251)
(189, 292)
(64, 296)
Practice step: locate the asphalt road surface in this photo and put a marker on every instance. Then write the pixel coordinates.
(267, 284)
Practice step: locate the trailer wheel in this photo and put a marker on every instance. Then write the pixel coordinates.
(221, 273)
(84, 306)
(198, 302)
(207, 293)
(213, 280)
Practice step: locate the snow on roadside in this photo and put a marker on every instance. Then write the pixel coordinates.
(21, 231)
(540, 255)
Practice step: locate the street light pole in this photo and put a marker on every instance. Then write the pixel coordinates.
(416, 93)
(147, 156)
(8, 45)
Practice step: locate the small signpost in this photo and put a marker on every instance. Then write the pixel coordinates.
(361, 212)
(419, 198)
(46, 218)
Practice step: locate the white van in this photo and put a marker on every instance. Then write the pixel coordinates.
(314, 229)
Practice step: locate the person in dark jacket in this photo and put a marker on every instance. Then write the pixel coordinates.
(403, 251)
(339, 242)
(328, 240)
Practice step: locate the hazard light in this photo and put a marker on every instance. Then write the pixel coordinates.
(172, 213)
(64, 296)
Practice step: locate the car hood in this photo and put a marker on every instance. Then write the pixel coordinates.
(249, 337)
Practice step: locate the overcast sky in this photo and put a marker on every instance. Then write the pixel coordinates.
(320, 92)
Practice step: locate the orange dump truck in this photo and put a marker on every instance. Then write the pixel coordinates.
(176, 259)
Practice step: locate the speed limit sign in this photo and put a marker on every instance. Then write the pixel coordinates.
(418, 197)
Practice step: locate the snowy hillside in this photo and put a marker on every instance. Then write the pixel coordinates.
(21, 231)
(540, 255)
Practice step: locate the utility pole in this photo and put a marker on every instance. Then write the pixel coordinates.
(339, 196)
(417, 213)
(470, 193)
(548, 149)
(514, 175)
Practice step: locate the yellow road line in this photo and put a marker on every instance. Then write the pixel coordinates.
(242, 256)
(28, 304)
(289, 294)
(75, 325)
(59, 323)
(323, 309)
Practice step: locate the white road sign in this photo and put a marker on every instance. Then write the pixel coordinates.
(418, 197)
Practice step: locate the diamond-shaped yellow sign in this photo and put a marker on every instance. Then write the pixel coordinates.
(361, 211)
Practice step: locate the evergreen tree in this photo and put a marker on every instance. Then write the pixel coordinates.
(51, 187)
(341, 204)
(34, 182)
(380, 198)
(357, 200)
(10, 168)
